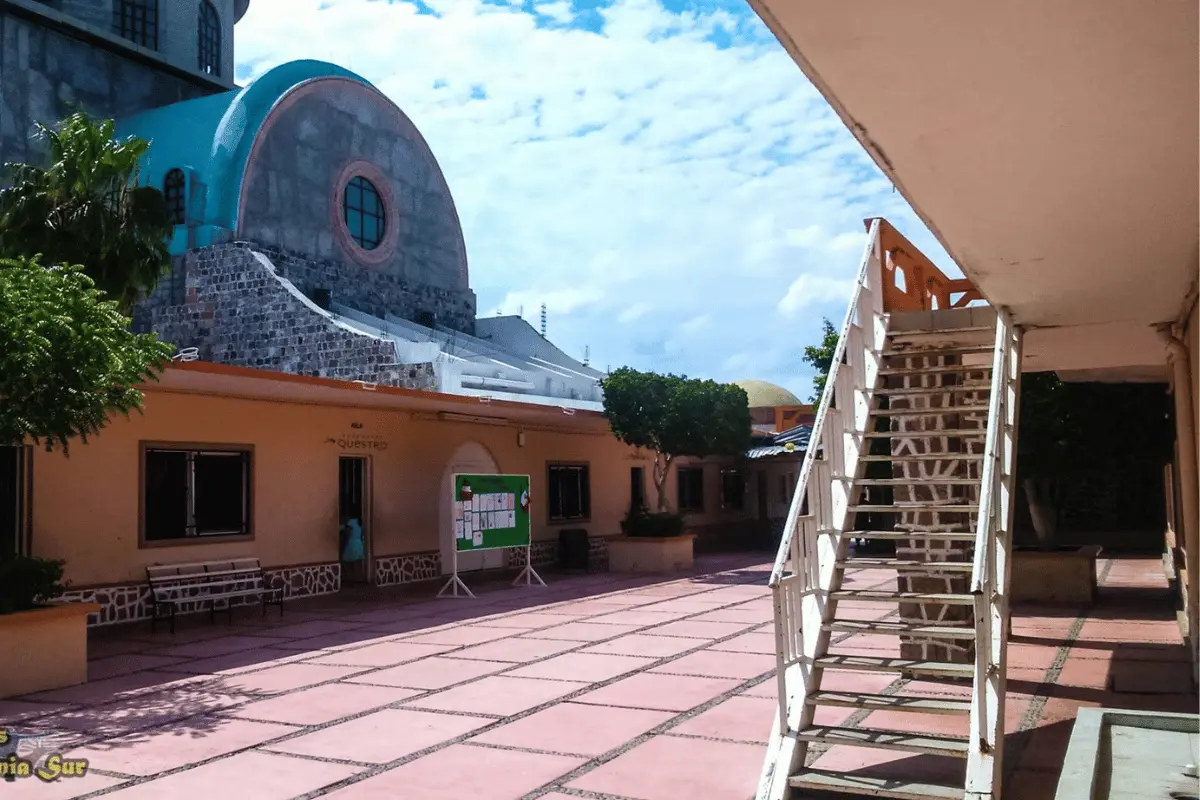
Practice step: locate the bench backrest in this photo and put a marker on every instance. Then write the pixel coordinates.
(199, 571)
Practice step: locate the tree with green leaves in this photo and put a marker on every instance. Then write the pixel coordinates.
(674, 416)
(86, 208)
(820, 357)
(68, 360)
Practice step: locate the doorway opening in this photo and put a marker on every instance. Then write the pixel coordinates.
(16, 498)
(354, 540)
(637, 488)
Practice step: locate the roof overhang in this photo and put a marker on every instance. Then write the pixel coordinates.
(220, 380)
(1051, 147)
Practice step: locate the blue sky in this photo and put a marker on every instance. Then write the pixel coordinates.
(657, 172)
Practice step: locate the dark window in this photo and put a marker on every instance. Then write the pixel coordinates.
(193, 493)
(210, 40)
(733, 489)
(691, 489)
(175, 195)
(364, 213)
(137, 21)
(570, 492)
(637, 487)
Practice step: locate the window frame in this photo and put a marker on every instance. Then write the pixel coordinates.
(586, 494)
(741, 504)
(122, 14)
(379, 214)
(679, 490)
(248, 482)
(209, 38)
(174, 190)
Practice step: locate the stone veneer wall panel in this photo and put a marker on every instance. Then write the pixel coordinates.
(237, 310)
(44, 71)
(131, 602)
(408, 568)
(924, 440)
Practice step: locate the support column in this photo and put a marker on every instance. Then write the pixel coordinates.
(1189, 486)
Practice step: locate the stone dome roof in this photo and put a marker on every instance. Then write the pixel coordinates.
(767, 395)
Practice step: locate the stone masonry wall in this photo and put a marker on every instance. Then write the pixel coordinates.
(232, 306)
(44, 71)
(924, 439)
(374, 292)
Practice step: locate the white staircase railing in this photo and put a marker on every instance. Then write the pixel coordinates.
(811, 541)
(992, 565)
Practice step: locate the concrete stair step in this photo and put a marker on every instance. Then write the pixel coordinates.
(899, 508)
(930, 536)
(906, 565)
(888, 702)
(903, 666)
(927, 743)
(878, 596)
(957, 433)
(900, 629)
(867, 786)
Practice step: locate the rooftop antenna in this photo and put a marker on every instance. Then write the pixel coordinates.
(521, 312)
(543, 320)
(587, 354)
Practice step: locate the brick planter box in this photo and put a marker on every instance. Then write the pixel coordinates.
(45, 648)
(650, 554)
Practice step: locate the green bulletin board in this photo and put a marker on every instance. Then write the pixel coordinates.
(491, 512)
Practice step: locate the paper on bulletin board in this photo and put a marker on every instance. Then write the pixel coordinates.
(491, 511)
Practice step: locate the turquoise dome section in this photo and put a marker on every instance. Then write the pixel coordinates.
(212, 137)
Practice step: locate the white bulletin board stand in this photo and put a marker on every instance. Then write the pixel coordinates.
(528, 576)
(529, 573)
(455, 583)
(456, 588)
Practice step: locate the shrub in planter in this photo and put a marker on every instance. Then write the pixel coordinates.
(27, 582)
(661, 525)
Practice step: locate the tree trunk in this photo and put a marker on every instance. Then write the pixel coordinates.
(1039, 492)
(662, 466)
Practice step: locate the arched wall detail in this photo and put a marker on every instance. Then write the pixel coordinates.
(471, 458)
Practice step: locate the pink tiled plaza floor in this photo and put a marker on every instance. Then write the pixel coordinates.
(600, 686)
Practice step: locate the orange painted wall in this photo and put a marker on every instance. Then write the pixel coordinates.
(87, 506)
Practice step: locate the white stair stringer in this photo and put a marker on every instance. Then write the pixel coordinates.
(804, 595)
(816, 545)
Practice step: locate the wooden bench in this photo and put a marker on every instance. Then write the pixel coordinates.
(173, 585)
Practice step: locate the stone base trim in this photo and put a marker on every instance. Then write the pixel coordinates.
(121, 603)
(410, 568)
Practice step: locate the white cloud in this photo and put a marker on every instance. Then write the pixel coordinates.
(635, 311)
(810, 289)
(612, 174)
(847, 242)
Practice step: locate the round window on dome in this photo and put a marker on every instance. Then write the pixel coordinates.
(364, 213)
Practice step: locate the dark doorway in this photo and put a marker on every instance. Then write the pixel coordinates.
(16, 495)
(637, 487)
(354, 517)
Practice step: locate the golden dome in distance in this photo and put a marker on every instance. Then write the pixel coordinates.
(767, 395)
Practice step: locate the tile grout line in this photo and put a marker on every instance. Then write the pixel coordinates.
(404, 636)
(377, 769)
(1037, 703)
